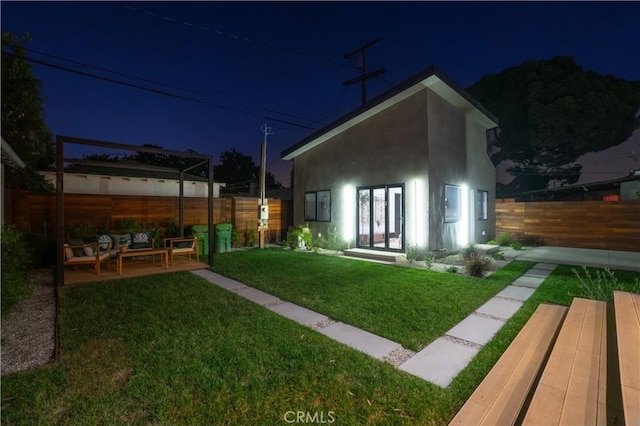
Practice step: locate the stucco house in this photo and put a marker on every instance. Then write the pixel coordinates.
(409, 167)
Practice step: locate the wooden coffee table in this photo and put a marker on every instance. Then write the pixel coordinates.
(164, 253)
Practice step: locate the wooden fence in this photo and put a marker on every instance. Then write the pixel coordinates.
(36, 212)
(580, 224)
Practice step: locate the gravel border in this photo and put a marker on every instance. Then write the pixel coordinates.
(28, 332)
(399, 356)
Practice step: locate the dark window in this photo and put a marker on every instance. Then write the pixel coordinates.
(482, 205)
(317, 206)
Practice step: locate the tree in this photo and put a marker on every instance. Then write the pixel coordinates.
(552, 112)
(239, 171)
(23, 125)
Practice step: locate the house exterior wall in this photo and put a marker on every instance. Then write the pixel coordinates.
(389, 148)
(630, 190)
(423, 143)
(75, 183)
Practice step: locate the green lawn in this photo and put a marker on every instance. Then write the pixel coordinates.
(407, 305)
(175, 349)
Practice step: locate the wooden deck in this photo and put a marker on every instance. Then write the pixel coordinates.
(132, 268)
(627, 308)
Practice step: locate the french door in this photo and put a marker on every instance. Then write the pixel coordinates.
(380, 222)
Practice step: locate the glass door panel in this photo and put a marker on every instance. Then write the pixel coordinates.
(395, 226)
(380, 217)
(364, 217)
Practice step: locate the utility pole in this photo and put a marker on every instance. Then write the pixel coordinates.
(364, 76)
(263, 208)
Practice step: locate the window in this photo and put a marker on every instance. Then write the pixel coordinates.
(309, 206)
(317, 206)
(452, 205)
(482, 204)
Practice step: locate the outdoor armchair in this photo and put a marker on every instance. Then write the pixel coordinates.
(86, 254)
(182, 246)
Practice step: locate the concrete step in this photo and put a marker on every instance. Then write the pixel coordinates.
(382, 256)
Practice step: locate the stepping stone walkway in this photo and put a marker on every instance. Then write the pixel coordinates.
(442, 360)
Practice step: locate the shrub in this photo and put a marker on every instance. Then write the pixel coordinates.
(418, 254)
(504, 239)
(16, 263)
(334, 242)
(298, 234)
(497, 255)
(477, 265)
(492, 242)
(531, 240)
(452, 269)
(516, 246)
(469, 251)
(601, 285)
(251, 236)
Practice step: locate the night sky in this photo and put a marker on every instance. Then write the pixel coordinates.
(241, 64)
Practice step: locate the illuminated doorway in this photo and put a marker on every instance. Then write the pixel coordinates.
(380, 217)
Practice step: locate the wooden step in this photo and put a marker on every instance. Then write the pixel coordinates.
(499, 399)
(572, 389)
(627, 311)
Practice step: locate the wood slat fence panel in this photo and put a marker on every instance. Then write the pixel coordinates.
(580, 224)
(32, 212)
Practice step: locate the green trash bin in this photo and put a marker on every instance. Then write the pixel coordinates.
(222, 237)
(202, 233)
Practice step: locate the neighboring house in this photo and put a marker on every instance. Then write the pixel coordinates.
(10, 159)
(131, 182)
(410, 167)
(626, 188)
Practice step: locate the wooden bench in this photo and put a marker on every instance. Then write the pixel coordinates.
(573, 386)
(590, 376)
(500, 397)
(627, 314)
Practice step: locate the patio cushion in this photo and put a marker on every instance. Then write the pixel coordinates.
(89, 251)
(141, 240)
(105, 241)
(121, 239)
(77, 251)
(68, 253)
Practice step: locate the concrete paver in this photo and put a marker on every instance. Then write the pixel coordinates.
(500, 308)
(297, 313)
(364, 341)
(538, 272)
(613, 259)
(547, 266)
(440, 362)
(476, 329)
(219, 280)
(525, 281)
(516, 292)
(257, 296)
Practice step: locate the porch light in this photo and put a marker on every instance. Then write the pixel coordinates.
(465, 213)
(348, 213)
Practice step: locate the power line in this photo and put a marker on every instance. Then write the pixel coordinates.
(147, 89)
(230, 35)
(99, 68)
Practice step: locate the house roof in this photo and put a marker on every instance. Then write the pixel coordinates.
(156, 173)
(9, 157)
(582, 187)
(430, 77)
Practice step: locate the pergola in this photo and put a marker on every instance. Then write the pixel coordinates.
(61, 160)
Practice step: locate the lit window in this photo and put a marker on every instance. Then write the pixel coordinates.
(611, 197)
(452, 205)
(482, 207)
(317, 206)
